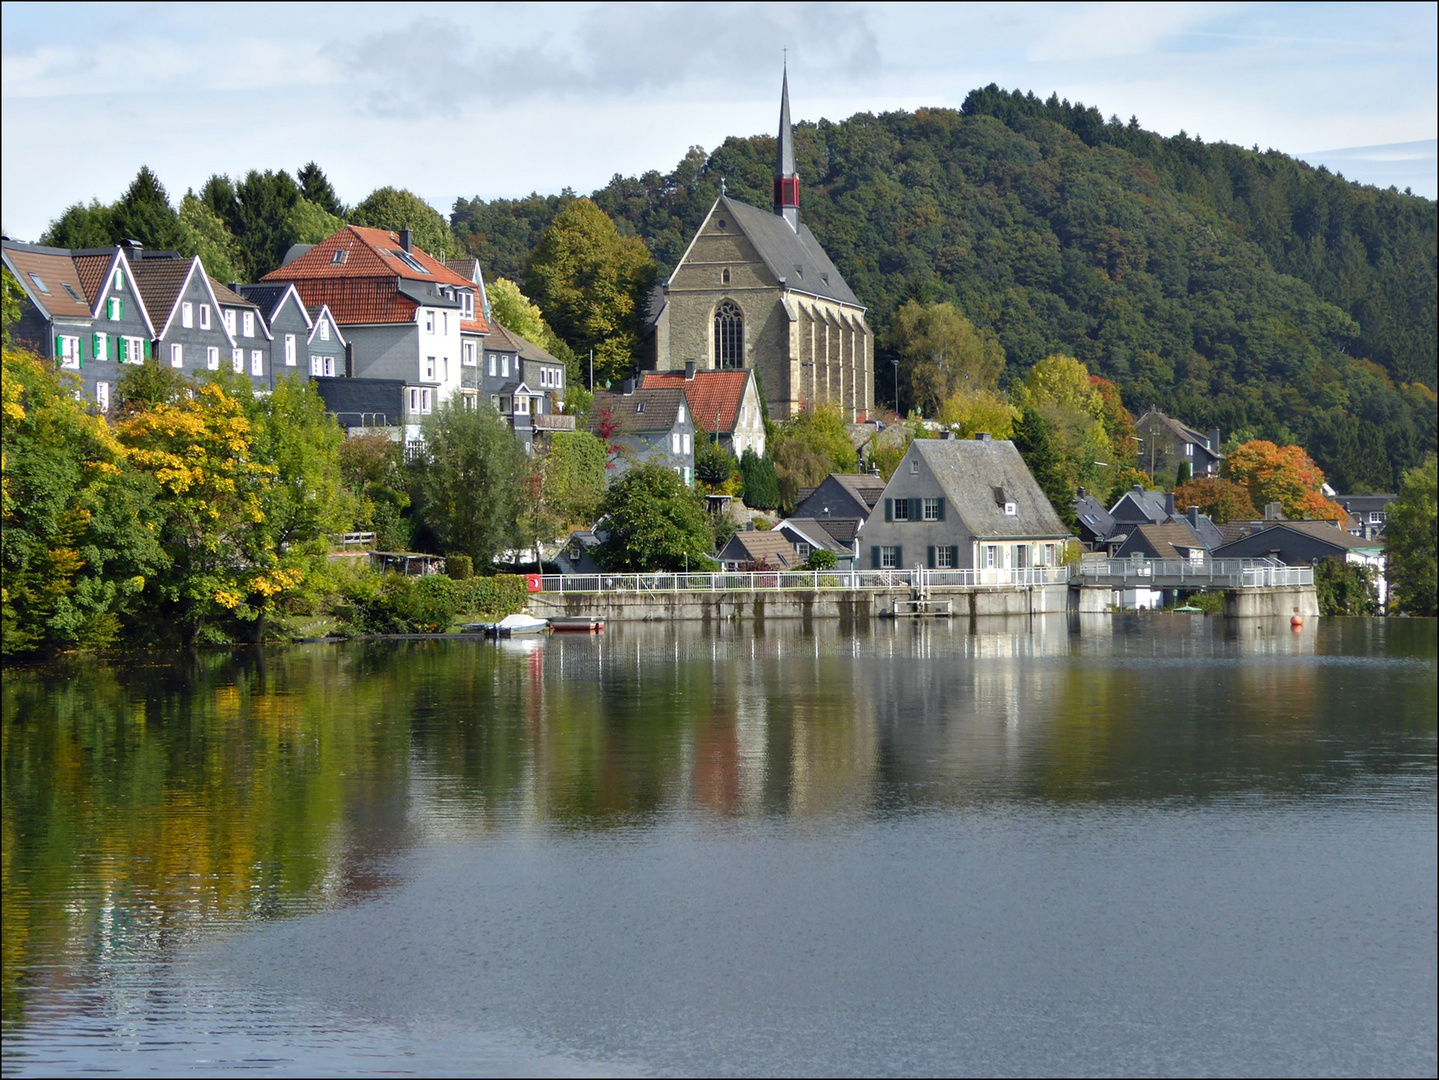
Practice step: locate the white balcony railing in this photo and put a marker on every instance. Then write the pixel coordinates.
(762, 581)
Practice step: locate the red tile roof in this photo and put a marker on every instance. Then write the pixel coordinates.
(91, 269)
(708, 393)
(360, 288)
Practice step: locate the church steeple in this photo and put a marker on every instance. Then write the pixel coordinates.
(786, 180)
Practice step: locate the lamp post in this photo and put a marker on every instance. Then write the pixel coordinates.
(895, 362)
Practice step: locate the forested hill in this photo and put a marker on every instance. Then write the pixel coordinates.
(1233, 288)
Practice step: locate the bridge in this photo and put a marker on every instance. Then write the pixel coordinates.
(1183, 574)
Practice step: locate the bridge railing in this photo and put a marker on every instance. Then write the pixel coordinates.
(1169, 573)
(812, 580)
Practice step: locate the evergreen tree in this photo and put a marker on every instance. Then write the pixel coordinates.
(1032, 440)
(1411, 545)
(315, 186)
(761, 484)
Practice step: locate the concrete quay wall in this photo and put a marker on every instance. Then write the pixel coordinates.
(852, 606)
(1280, 602)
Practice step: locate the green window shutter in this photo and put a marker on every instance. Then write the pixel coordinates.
(121, 305)
(898, 557)
(954, 556)
(145, 349)
(59, 346)
(95, 346)
(941, 508)
(916, 510)
(874, 556)
(930, 557)
(888, 509)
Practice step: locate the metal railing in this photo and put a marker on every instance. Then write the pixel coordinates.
(810, 580)
(1183, 573)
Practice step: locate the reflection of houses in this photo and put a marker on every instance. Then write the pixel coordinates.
(724, 404)
(1168, 443)
(646, 426)
(964, 504)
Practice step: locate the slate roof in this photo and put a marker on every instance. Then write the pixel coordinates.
(159, 281)
(501, 339)
(660, 412)
(771, 548)
(56, 269)
(866, 487)
(972, 471)
(709, 393)
(1182, 430)
(1092, 513)
(530, 351)
(1365, 504)
(1325, 531)
(349, 399)
(266, 297)
(1150, 503)
(823, 532)
(795, 257)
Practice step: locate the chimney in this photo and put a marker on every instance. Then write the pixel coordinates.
(947, 436)
(1169, 504)
(1081, 493)
(1273, 511)
(1214, 440)
(627, 388)
(983, 436)
(1193, 515)
(406, 240)
(1138, 489)
(689, 370)
(234, 286)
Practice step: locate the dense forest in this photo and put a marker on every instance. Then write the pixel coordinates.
(1234, 288)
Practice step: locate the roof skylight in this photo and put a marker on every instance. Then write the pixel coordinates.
(39, 284)
(409, 260)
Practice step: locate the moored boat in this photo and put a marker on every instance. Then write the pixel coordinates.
(518, 625)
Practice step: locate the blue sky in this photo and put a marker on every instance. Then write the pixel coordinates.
(500, 100)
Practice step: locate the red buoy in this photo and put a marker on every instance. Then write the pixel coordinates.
(1297, 622)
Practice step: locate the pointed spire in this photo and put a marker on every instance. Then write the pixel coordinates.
(786, 180)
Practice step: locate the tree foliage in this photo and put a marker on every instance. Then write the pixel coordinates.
(715, 466)
(470, 488)
(941, 353)
(593, 284)
(513, 310)
(655, 522)
(1285, 475)
(967, 412)
(759, 482)
(1033, 441)
(1222, 500)
(1410, 539)
(1345, 588)
(396, 209)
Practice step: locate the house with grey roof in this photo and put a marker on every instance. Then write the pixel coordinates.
(963, 504)
(645, 425)
(760, 550)
(851, 496)
(1304, 543)
(1166, 443)
(838, 536)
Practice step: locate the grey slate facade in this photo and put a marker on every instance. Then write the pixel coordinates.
(652, 426)
(959, 504)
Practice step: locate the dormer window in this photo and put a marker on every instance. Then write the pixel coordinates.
(1010, 510)
(73, 294)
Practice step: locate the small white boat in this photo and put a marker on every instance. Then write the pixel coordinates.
(518, 625)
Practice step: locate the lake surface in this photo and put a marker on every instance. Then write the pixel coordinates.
(1144, 844)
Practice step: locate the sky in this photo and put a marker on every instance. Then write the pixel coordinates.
(498, 100)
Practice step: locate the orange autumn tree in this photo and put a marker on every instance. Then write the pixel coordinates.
(1222, 500)
(1282, 474)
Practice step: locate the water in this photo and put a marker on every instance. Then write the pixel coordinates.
(1152, 844)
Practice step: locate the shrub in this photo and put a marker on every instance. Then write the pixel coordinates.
(459, 567)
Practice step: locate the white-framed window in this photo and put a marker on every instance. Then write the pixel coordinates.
(495, 401)
(289, 350)
(944, 557)
(681, 414)
(991, 556)
(230, 321)
(237, 361)
(522, 404)
(114, 309)
(467, 353)
(67, 351)
(322, 365)
(901, 509)
(427, 371)
(132, 350)
(414, 448)
(914, 467)
(467, 304)
(929, 510)
(324, 329)
(429, 322)
(505, 365)
(249, 324)
(1189, 449)
(444, 322)
(102, 396)
(100, 346)
(689, 446)
(419, 399)
(470, 399)
(888, 558)
(802, 549)
(119, 278)
(493, 361)
(674, 442)
(212, 357)
(1010, 509)
(257, 362)
(177, 355)
(689, 475)
(204, 316)
(187, 315)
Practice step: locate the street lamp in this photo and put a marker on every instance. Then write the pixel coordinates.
(895, 362)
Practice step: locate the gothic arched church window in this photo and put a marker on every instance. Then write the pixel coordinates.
(729, 335)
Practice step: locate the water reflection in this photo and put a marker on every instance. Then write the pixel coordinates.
(145, 802)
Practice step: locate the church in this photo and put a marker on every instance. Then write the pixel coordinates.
(755, 290)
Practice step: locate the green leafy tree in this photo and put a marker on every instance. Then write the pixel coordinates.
(967, 412)
(396, 209)
(1344, 588)
(821, 559)
(573, 468)
(655, 522)
(593, 285)
(315, 187)
(1410, 542)
(81, 226)
(1059, 389)
(76, 544)
(205, 234)
(309, 223)
(941, 353)
(470, 487)
(760, 483)
(714, 465)
(12, 297)
(371, 469)
(513, 310)
(1032, 440)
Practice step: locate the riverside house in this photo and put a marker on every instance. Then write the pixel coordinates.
(961, 505)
